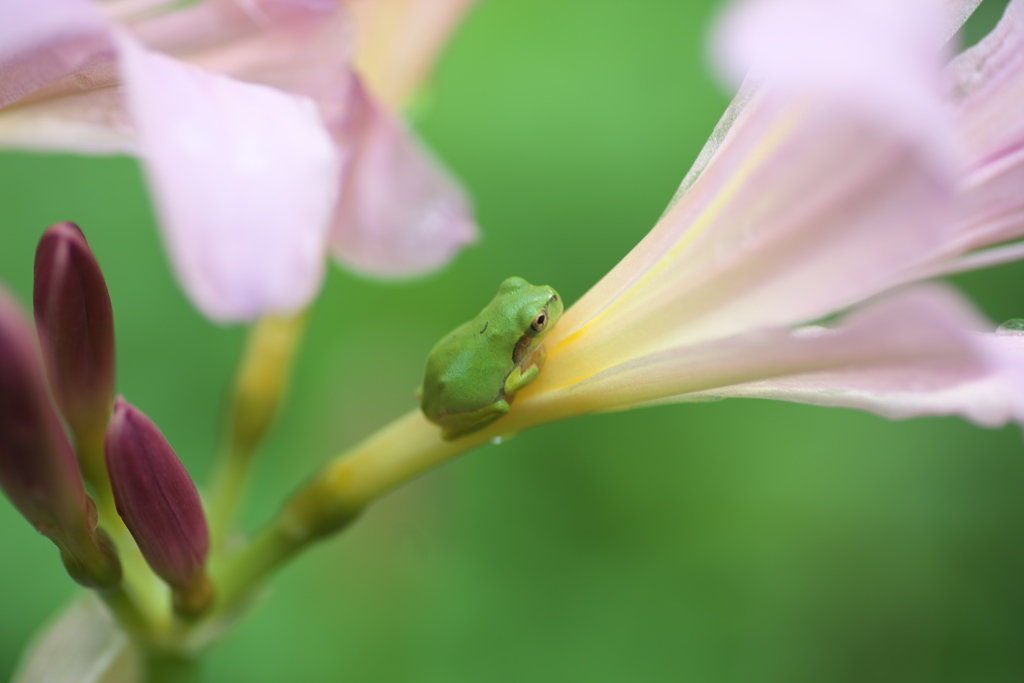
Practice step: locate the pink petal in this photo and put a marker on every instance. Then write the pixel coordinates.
(126, 10)
(57, 69)
(212, 24)
(910, 355)
(399, 41)
(894, 393)
(302, 46)
(61, 44)
(956, 13)
(89, 122)
(1007, 354)
(988, 101)
(876, 57)
(399, 212)
(985, 258)
(806, 205)
(245, 178)
(798, 214)
(987, 87)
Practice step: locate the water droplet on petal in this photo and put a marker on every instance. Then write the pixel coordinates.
(497, 440)
(1014, 327)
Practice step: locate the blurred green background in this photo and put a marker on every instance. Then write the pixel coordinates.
(736, 541)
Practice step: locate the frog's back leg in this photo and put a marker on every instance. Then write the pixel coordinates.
(460, 424)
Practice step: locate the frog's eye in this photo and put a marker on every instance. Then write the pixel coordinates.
(540, 322)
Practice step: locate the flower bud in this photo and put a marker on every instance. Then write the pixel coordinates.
(38, 470)
(76, 329)
(160, 505)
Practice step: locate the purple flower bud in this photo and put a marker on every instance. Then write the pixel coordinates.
(157, 501)
(76, 328)
(38, 469)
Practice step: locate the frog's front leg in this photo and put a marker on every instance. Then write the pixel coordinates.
(522, 375)
(519, 378)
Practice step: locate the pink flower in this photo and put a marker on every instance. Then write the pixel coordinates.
(260, 143)
(985, 94)
(844, 168)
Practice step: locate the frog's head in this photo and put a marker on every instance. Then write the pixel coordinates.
(536, 308)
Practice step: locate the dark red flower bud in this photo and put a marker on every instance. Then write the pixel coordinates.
(159, 504)
(38, 469)
(76, 329)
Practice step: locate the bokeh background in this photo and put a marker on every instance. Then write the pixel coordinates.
(735, 541)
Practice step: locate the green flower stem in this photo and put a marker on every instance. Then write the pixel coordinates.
(401, 451)
(261, 557)
(229, 485)
(260, 386)
(126, 611)
(160, 666)
(140, 585)
(332, 499)
(92, 458)
(89, 446)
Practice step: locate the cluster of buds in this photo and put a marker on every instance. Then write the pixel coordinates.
(122, 454)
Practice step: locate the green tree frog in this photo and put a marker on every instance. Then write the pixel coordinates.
(474, 372)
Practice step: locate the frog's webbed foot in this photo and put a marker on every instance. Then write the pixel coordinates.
(419, 395)
(519, 378)
(460, 424)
